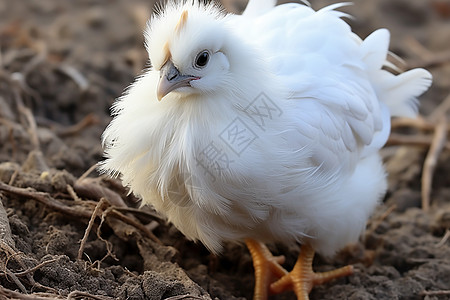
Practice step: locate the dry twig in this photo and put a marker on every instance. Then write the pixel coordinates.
(14, 176)
(436, 143)
(14, 276)
(85, 295)
(76, 76)
(92, 189)
(10, 251)
(31, 270)
(109, 247)
(418, 123)
(32, 127)
(130, 221)
(16, 280)
(46, 199)
(5, 229)
(444, 239)
(427, 59)
(417, 140)
(9, 294)
(72, 193)
(429, 166)
(438, 59)
(138, 211)
(179, 297)
(100, 206)
(435, 293)
(88, 171)
(76, 212)
(377, 222)
(87, 121)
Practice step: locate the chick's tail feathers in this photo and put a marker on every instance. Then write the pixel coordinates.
(398, 92)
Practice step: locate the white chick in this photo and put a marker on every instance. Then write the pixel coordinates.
(261, 128)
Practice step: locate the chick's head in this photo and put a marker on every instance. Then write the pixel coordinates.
(188, 47)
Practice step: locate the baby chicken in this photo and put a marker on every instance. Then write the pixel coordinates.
(261, 127)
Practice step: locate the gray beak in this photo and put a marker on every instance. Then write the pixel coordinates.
(170, 79)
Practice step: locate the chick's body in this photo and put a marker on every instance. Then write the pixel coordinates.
(275, 139)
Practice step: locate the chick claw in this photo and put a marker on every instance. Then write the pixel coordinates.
(267, 268)
(302, 278)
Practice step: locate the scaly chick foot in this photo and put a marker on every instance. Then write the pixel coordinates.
(267, 268)
(302, 278)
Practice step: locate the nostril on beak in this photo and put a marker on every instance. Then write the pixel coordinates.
(173, 73)
(171, 76)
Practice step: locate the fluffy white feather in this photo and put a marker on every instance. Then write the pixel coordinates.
(310, 169)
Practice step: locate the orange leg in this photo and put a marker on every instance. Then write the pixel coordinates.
(267, 268)
(302, 278)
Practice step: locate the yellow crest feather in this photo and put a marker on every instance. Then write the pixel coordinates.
(182, 21)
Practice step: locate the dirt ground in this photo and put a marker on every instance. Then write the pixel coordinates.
(68, 234)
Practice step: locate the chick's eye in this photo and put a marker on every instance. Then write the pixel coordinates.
(202, 59)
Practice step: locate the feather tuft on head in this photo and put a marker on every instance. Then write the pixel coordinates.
(181, 22)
